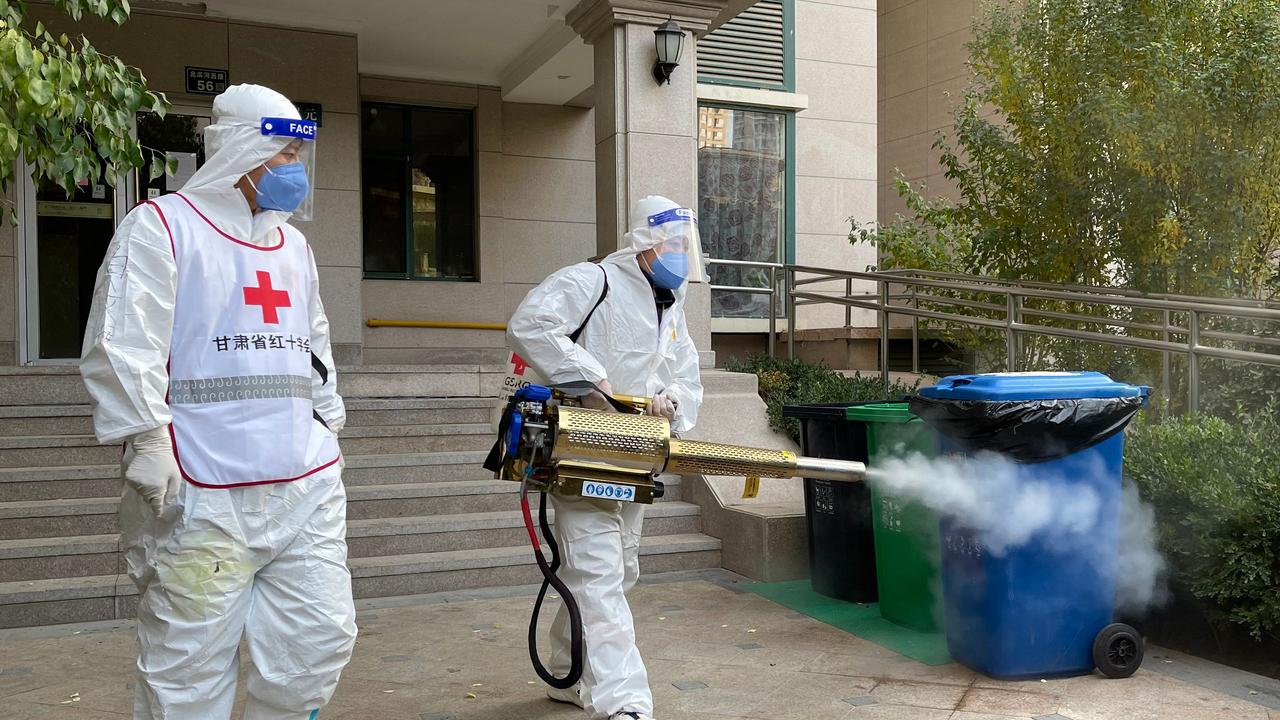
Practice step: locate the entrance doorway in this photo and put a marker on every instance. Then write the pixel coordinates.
(65, 237)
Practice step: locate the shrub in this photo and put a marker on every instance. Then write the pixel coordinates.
(796, 382)
(1215, 486)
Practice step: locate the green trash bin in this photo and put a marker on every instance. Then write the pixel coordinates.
(906, 533)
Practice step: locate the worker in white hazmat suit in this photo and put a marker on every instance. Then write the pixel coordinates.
(207, 353)
(633, 341)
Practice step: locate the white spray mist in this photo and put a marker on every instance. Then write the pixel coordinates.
(995, 497)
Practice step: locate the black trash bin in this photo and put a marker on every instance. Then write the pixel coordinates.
(842, 554)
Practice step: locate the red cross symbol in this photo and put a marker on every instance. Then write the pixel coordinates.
(268, 297)
(519, 363)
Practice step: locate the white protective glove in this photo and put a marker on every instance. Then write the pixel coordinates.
(151, 469)
(662, 406)
(595, 400)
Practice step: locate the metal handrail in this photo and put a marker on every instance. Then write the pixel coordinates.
(903, 292)
(1035, 284)
(1209, 306)
(771, 291)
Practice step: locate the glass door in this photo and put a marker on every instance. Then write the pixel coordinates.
(67, 237)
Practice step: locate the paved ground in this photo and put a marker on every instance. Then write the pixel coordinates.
(713, 651)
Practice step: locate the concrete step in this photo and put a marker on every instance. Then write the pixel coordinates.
(64, 450)
(723, 381)
(61, 557)
(424, 381)
(90, 481)
(446, 498)
(24, 420)
(98, 516)
(514, 565)
(59, 518)
(28, 420)
(399, 469)
(67, 600)
(365, 412)
(27, 385)
(109, 596)
(389, 439)
(443, 498)
(54, 450)
(53, 483)
(442, 533)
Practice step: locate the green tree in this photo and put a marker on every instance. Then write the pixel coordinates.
(1133, 144)
(64, 107)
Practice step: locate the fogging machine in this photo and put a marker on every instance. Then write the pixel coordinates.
(549, 443)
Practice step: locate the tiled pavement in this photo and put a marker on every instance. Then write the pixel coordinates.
(713, 653)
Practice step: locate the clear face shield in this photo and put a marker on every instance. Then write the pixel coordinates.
(675, 236)
(289, 177)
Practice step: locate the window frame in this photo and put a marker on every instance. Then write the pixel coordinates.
(787, 248)
(405, 158)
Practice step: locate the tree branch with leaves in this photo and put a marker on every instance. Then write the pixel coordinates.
(65, 109)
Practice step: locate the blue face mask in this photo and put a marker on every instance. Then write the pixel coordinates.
(669, 270)
(283, 187)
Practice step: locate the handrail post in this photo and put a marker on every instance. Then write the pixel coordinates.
(915, 333)
(791, 312)
(1013, 301)
(884, 331)
(848, 309)
(1166, 366)
(1193, 362)
(773, 310)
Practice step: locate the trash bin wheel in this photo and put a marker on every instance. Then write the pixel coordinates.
(1117, 651)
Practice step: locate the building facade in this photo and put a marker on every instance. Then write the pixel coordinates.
(468, 148)
(923, 73)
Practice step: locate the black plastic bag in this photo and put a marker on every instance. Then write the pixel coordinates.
(1028, 430)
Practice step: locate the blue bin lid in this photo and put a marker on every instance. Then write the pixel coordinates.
(1032, 386)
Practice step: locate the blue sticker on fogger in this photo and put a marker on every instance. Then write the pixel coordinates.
(673, 214)
(289, 127)
(314, 714)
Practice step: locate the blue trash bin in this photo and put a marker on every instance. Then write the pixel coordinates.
(1037, 610)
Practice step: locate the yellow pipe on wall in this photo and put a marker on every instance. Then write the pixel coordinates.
(434, 324)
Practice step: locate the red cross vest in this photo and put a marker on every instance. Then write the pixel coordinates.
(240, 357)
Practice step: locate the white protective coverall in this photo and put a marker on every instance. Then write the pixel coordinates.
(262, 561)
(600, 539)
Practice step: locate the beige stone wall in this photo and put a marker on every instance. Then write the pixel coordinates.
(835, 139)
(161, 45)
(923, 74)
(537, 208)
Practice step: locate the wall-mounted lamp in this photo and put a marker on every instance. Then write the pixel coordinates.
(669, 41)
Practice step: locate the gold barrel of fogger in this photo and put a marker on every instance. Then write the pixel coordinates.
(645, 443)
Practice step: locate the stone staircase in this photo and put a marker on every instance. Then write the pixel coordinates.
(423, 516)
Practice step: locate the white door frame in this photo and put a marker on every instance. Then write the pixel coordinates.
(29, 266)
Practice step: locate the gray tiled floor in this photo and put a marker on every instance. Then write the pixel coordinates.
(462, 657)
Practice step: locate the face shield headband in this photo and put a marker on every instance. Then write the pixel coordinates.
(674, 235)
(283, 184)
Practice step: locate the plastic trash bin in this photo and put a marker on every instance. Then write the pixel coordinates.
(906, 532)
(1044, 608)
(842, 561)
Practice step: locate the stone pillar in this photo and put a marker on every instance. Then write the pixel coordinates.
(646, 134)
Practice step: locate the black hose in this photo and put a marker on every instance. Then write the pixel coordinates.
(549, 579)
